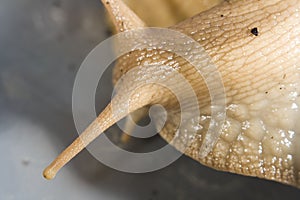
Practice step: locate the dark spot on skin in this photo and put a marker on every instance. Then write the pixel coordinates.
(25, 162)
(284, 76)
(280, 88)
(222, 15)
(107, 2)
(254, 31)
(267, 92)
(272, 137)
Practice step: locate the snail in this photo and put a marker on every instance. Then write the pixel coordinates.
(255, 46)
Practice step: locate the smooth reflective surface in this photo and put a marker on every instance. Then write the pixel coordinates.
(42, 45)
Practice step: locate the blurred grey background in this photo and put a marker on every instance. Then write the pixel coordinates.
(42, 46)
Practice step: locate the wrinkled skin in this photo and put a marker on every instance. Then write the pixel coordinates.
(261, 136)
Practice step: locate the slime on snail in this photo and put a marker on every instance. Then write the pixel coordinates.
(260, 136)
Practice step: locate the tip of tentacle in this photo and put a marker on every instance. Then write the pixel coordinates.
(48, 173)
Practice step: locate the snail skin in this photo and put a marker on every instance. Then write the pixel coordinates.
(255, 46)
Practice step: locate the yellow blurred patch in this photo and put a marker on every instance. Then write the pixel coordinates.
(164, 13)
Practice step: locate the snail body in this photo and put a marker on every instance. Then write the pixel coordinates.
(255, 46)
